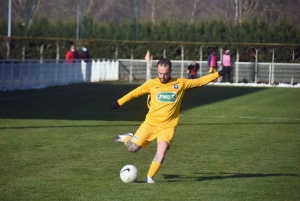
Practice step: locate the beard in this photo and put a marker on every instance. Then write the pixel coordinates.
(163, 80)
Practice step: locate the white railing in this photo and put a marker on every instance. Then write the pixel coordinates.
(243, 72)
(27, 74)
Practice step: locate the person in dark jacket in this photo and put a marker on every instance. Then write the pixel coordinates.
(192, 70)
(85, 53)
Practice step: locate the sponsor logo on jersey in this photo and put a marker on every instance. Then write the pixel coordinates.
(166, 97)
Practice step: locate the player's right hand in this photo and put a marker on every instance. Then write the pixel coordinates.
(114, 105)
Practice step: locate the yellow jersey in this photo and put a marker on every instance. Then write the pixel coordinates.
(164, 100)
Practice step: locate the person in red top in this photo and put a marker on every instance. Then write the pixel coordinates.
(192, 70)
(72, 55)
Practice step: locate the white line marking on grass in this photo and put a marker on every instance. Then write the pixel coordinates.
(183, 115)
(227, 117)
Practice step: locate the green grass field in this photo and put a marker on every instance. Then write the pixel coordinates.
(232, 143)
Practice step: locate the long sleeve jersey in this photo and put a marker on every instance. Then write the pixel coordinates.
(164, 100)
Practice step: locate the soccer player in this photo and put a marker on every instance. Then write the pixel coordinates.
(165, 96)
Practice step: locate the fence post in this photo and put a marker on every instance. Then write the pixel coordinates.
(57, 51)
(150, 67)
(41, 53)
(201, 58)
(272, 66)
(256, 67)
(221, 57)
(23, 53)
(165, 53)
(148, 70)
(182, 60)
(130, 71)
(116, 53)
(270, 73)
(237, 67)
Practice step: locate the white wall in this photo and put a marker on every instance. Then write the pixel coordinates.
(28, 74)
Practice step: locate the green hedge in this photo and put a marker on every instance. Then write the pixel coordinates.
(102, 39)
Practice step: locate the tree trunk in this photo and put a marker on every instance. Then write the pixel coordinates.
(153, 12)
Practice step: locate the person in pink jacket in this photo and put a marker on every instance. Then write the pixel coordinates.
(226, 63)
(212, 62)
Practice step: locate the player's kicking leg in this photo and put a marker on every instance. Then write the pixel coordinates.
(126, 139)
(121, 138)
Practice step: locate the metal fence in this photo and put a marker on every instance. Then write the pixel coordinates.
(18, 74)
(242, 72)
(26, 74)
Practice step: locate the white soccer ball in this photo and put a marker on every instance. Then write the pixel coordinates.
(129, 173)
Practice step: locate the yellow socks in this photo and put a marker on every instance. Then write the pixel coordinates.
(154, 167)
(126, 139)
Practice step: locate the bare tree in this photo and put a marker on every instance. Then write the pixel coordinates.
(153, 2)
(26, 10)
(155, 10)
(97, 8)
(222, 10)
(268, 10)
(194, 9)
(173, 10)
(236, 10)
(245, 8)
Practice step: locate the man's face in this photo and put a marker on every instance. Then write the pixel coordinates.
(164, 73)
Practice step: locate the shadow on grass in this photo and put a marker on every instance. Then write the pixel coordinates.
(177, 178)
(91, 101)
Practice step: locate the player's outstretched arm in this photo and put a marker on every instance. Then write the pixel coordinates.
(114, 105)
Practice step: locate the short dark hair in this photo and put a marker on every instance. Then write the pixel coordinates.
(164, 62)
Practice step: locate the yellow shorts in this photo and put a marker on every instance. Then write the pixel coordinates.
(147, 133)
(212, 70)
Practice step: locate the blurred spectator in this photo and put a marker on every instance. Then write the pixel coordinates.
(72, 55)
(226, 63)
(192, 70)
(85, 53)
(212, 62)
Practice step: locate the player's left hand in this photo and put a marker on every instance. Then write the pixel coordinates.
(114, 105)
